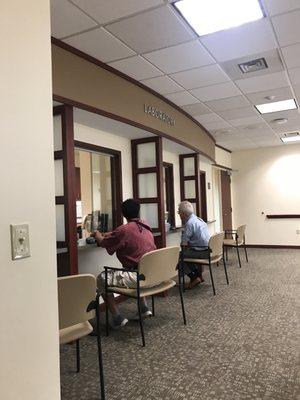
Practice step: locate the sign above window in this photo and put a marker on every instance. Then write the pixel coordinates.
(156, 113)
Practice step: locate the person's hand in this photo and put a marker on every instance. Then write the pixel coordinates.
(98, 236)
(106, 234)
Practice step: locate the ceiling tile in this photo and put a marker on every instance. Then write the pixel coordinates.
(181, 98)
(101, 45)
(207, 118)
(228, 104)
(293, 125)
(211, 126)
(213, 92)
(281, 6)
(283, 93)
(287, 28)
(67, 19)
(199, 77)
(181, 57)
(246, 121)
(152, 30)
(289, 114)
(265, 82)
(291, 55)
(136, 67)
(238, 113)
(272, 58)
(106, 11)
(162, 84)
(254, 37)
(295, 75)
(196, 109)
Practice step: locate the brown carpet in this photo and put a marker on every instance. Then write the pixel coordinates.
(242, 344)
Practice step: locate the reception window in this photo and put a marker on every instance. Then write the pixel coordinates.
(98, 195)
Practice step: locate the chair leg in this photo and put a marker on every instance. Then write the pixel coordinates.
(140, 320)
(77, 356)
(238, 254)
(100, 361)
(182, 303)
(153, 310)
(225, 269)
(212, 279)
(106, 316)
(245, 248)
(226, 252)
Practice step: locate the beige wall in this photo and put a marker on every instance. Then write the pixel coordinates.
(267, 180)
(223, 157)
(29, 327)
(79, 80)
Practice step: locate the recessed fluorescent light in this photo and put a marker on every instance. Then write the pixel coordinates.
(291, 137)
(208, 16)
(276, 106)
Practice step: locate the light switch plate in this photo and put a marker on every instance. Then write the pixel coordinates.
(19, 241)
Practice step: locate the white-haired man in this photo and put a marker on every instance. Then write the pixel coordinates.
(194, 241)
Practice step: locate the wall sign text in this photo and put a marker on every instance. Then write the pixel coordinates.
(156, 113)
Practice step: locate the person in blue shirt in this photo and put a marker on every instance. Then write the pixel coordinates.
(194, 241)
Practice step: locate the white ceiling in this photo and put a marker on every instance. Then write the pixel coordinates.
(149, 41)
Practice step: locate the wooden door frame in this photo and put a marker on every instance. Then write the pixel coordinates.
(170, 193)
(195, 178)
(203, 194)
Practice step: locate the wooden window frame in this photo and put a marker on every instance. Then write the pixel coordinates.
(116, 177)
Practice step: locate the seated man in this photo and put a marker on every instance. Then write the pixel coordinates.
(130, 242)
(194, 241)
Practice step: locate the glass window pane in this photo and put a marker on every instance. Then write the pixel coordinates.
(188, 166)
(195, 207)
(149, 213)
(57, 132)
(60, 223)
(147, 185)
(95, 191)
(146, 155)
(59, 177)
(189, 189)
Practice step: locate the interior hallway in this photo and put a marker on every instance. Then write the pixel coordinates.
(240, 344)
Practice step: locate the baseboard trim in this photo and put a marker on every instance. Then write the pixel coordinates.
(272, 246)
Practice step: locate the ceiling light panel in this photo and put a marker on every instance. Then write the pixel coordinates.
(290, 137)
(276, 106)
(214, 15)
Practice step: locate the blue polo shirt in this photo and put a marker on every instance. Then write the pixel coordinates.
(195, 232)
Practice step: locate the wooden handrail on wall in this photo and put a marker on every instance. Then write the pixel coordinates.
(281, 216)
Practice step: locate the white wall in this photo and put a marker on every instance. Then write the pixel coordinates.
(91, 259)
(28, 287)
(267, 181)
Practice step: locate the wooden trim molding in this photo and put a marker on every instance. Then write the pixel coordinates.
(101, 64)
(222, 167)
(223, 148)
(282, 216)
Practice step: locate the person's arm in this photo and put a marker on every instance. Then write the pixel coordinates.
(112, 242)
(186, 235)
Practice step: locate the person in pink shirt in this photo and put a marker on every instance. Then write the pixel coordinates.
(130, 242)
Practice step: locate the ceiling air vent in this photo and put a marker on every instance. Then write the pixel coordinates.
(253, 65)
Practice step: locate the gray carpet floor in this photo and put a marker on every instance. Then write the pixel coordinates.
(242, 344)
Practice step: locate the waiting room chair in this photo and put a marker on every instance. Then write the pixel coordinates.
(77, 304)
(237, 241)
(155, 274)
(215, 254)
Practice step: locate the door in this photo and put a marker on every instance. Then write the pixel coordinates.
(226, 200)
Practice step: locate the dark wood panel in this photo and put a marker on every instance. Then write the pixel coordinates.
(226, 200)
